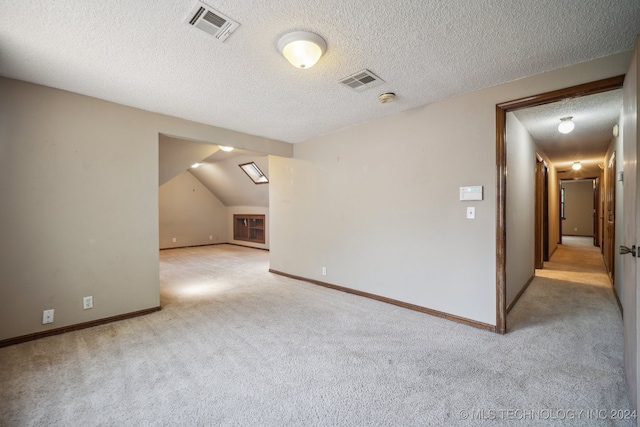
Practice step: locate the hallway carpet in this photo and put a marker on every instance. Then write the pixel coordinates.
(235, 345)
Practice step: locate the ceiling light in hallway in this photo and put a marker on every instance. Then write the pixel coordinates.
(224, 148)
(566, 125)
(576, 166)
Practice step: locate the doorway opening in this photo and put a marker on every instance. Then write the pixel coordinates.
(202, 187)
(580, 216)
(502, 109)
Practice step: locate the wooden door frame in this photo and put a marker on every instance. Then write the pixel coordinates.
(502, 109)
(560, 210)
(609, 212)
(545, 215)
(539, 206)
(597, 182)
(541, 212)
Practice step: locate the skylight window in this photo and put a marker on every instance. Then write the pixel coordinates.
(253, 171)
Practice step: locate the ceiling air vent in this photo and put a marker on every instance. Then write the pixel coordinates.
(211, 21)
(361, 80)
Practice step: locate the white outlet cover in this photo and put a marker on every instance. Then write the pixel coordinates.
(87, 303)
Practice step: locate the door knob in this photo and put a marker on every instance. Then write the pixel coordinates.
(626, 250)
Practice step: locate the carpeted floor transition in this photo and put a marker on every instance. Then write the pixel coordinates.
(237, 346)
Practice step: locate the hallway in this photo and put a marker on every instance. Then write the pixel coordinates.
(577, 260)
(571, 302)
(572, 290)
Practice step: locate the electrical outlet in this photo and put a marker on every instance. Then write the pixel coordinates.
(174, 240)
(47, 316)
(87, 302)
(324, 271)
(210, 237)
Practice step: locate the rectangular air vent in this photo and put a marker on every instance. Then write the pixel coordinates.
(211, 21)
(361, 80)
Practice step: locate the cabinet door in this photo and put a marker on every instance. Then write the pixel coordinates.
(249, 228)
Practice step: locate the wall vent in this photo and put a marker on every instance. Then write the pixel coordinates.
(211, 21)
(361, 80)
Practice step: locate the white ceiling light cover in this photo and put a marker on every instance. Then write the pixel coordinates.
(302, 49)
(566, 125)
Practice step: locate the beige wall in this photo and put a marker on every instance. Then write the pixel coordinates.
(522, 153)
(190, 213)
(177, 155)
(521, 186)
(377, 203)
(578, 208)
(79, 191)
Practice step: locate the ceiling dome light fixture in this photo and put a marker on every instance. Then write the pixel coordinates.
(576, 166)
(301, 48)
(224, 148)
(566, 125)
(195, 165)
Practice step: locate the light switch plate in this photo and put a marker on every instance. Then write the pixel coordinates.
(471, 212)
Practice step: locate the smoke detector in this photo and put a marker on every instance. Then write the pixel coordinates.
(387, 97)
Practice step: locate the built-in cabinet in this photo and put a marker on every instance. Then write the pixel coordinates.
(250, 228)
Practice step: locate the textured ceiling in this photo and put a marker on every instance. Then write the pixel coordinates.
(594, 117)
(140, 53)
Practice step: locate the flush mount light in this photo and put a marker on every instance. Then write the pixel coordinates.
(224, 148)
(195, 165)
(301, 48)
(566, 125)
(576, 166)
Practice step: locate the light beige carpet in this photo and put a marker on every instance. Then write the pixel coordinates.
(237, 346)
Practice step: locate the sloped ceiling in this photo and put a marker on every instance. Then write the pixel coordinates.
(141, 53)
(176, 155)
(221, 174)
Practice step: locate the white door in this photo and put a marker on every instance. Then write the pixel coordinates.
(631, 198)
